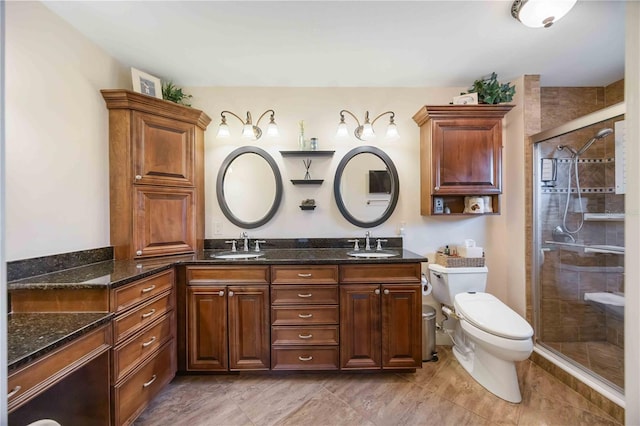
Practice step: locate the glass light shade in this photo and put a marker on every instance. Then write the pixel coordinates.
(342, 131)
(223, 131)
(272, 130)
(543, 13)
(392, 131)
(247, 131)
(367, 132)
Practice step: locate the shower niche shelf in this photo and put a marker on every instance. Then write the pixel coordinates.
(604, 217)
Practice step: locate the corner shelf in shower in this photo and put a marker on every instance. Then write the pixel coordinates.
(604, 217)
(588, 248)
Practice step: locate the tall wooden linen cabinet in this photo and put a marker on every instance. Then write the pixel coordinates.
(156, 175)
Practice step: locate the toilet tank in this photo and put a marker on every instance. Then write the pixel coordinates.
(447, 282)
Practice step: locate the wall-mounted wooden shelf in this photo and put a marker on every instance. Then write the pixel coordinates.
(307, 181)
(307, 153)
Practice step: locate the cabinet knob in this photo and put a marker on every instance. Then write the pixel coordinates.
(386, 291)
(230, 293)
(437, 188)
(139, 253)
(138, 177)
(221, 293)
(376, 291)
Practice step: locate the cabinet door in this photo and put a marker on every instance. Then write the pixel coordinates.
(467, 156)
(164, 221)
(206, 328)
(249, 342)
(360, 326)
(164, 151)
(401, 326)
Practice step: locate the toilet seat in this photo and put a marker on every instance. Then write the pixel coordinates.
(489, 314)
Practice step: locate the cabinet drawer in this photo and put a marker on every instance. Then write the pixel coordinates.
(285, 315)
(126, 296)
(133, 395)
(313, 335)
(380, 273)
(202, 275)
(302, 295)
(316, 274)
(306, 358)
(127, 324)
(127, 356)
(38, 376)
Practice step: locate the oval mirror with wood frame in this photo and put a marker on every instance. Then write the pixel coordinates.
(245, 168)
(366, 186)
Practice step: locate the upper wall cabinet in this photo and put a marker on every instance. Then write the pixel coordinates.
(156, 175)
(461, 156)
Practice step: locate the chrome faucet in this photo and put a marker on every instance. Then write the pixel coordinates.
(245, 237)
(367, 244)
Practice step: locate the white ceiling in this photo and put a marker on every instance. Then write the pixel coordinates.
(352, 43)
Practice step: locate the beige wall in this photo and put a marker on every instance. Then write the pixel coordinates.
(319, 108)
(57, 177)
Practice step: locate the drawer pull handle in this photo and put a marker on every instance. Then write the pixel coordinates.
(305, 358)
(306, 336)
(145, 344)
(305, 295)
(148, 289)
(304, 275)
(305, 315)
(148, 314)
(14, 391)
(153, 379)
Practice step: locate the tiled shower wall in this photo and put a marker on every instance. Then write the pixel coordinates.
(568, 273)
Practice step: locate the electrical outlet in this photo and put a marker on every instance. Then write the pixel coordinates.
(217, 228)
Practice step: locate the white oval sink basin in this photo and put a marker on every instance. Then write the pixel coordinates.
(372, 254)
(241, 255)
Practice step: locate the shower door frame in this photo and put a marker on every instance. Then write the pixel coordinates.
(565, 363)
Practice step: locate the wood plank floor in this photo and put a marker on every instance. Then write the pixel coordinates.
(441, 393)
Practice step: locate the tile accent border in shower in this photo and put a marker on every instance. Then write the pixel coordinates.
(592, 190)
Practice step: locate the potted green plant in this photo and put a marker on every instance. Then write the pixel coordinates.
(491, 91)
(173, 93)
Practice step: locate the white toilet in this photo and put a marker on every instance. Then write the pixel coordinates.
(488, 336)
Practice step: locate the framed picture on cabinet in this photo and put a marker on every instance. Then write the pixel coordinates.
(146, 83)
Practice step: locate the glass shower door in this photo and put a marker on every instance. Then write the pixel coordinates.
(579, 243)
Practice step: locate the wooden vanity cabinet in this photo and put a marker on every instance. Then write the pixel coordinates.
(460, 154)
(156, 169)
(304, 317)
(227, 318)
(380, 316)
(144, 354)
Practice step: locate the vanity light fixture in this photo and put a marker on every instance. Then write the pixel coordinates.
(540, 13)
(249, 130)
(364, 131)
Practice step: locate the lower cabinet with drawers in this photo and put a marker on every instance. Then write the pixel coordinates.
(144, 345)
(302, 317)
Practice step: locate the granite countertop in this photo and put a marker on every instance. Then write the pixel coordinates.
(32, 335)
(115, 273)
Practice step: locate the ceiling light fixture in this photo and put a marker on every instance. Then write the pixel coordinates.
(248, 129)
(364, 131)
(540, 13)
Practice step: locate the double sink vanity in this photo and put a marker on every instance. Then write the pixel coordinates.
(294, 305)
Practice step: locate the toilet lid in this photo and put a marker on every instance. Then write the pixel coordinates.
(488, 313)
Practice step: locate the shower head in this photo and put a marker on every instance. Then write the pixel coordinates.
(601, 134)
